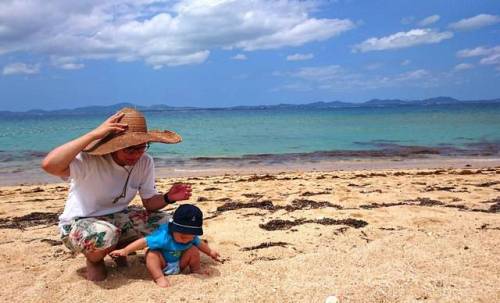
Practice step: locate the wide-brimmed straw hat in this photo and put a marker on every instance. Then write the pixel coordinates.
(135, 134)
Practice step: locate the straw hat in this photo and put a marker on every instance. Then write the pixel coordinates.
(136, 133)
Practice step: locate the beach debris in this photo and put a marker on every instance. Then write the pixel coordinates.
(262, 259)
(265, 204)
(488, 184)
(266, 245)
(299, 204)
(486, 226)
(332, 299)
(255, 196)
(51, 242)
(29, 220)
(278, 224)
(202, 199)
(211, 188)
(308, 193)
(258, 178)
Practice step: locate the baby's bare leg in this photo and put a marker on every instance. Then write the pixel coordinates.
(191, 258)
(155, 264)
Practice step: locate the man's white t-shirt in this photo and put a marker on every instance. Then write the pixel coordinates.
(95, 181)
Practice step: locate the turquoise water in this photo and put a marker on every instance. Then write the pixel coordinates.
(235, 133)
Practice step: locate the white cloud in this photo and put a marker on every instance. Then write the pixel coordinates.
(299, 57)
(429, 20)
(67, 63)
(478, 51)
(160, 32)
(373, 66)
(405, 62)
(335, 77)
(239, 57)
(490, 55)
(475, 22)
(407, 20)
(463, 66)
(492, 59)
(19, 68)
(403, 39)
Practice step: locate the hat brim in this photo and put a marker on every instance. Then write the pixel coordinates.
(114, 143)
(197, 231)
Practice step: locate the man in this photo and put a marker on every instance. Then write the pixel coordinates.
(106, 168)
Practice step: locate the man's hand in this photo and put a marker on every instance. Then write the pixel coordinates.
(179, 192)
(110, 125)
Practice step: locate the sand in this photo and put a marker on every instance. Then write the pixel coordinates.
(385, 235)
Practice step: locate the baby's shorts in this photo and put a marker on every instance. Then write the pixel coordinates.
(172, 269)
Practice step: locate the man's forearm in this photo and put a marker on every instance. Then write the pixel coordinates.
(154, 203)
(58, 160)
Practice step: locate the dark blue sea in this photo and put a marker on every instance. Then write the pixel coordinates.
(243, 137)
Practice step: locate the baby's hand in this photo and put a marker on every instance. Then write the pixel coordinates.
(214, 255)
(118, 253)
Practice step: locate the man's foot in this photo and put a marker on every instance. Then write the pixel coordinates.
(162, 282)
(96, 271)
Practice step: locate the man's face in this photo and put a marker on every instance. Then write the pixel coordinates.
(130, 155)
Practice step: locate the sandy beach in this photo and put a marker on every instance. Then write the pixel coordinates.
(366, 235)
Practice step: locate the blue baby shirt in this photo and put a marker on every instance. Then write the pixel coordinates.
(161, 239)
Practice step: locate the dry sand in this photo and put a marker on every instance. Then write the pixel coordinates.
(426, 235)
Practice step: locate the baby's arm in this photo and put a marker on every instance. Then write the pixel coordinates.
(208, 251)
(134, 246)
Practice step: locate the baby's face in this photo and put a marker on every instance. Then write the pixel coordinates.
(182, 238)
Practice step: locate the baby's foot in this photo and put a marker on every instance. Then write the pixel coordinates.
(162, 282)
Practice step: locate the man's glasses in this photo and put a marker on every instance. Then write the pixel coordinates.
(136, 149)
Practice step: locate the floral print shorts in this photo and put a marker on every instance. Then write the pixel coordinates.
(99, 233)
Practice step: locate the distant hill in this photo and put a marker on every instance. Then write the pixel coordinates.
(96, 109)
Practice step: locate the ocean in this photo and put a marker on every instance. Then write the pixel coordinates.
(246, 137)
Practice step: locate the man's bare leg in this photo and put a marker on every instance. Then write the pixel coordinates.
(96, 270)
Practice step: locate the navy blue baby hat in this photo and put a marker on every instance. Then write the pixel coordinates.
(187, 219)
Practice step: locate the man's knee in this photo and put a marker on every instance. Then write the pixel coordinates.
(92, 237)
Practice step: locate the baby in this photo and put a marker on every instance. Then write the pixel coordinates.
(173, 246)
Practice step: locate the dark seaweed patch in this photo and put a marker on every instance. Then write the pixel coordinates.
(308, 193)
(211, 188)
(266, 204)
(488, 184)
(265, 245)
(258, 178)
(287, 224)
(52, 242)
(29, 220)
(299, 204)
(255, 196)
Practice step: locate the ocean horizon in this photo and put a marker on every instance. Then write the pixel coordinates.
(269, 136)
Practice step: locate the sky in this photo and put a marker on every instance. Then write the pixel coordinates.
(58, 54)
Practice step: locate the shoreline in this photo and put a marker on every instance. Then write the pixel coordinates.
(36, 176)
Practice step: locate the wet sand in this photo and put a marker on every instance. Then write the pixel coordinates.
(382, 234)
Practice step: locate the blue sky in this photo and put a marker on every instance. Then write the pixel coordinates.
(210, 53)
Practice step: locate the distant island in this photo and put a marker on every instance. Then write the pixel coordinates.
(315, 105)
